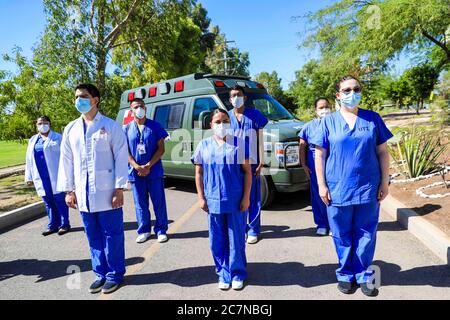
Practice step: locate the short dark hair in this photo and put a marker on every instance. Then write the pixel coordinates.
(140, 100)
(238, 88)
(347, 77)
(217, 111)
(316, 102)
(45, 118)
(93, 90)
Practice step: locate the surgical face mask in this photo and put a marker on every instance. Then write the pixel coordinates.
(221, 129)
(43, 128)
(237, 102)
(83, 105)
(324, 112)
(351, 100)
(139, 113)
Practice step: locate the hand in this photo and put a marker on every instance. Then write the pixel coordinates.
(245, 204)
(117, 200)
(325, 195)
(258, 170)
(307, 172)
(30, 183)
(71, 200)
(142, 171)
(203, 205)
(383, 191)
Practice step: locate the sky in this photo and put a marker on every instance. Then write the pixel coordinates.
(264, 28)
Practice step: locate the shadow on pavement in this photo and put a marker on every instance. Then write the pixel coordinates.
(128, 226)
(295, 273)
(48, 270)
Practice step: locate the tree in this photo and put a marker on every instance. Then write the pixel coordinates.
(421, 82)
(375, 32)
(274, 88)
(115, 44)
(237, 65)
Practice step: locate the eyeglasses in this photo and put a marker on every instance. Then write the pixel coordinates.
(348, 90)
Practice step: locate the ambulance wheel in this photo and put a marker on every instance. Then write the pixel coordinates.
(268, 191)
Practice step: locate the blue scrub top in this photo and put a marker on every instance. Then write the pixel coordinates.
(152, 133)
(252, 119)
(223, 176)
(308, 131)
(41, 165)
(352, 172)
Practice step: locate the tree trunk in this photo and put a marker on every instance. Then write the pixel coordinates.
(100, 50)
(417, 107)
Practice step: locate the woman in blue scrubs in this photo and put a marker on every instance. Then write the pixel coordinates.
(307, 155)
(41, 170)
(223, 178)
(352, 165)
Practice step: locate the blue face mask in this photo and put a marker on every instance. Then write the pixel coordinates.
(351, 100)
(83, 105)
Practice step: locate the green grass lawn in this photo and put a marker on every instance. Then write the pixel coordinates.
(12, 153)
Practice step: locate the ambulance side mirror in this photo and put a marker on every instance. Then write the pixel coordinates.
(205, 118)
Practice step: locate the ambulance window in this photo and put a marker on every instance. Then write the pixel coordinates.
(170, 116)
(201, 105)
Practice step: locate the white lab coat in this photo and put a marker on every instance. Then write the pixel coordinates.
(52, 154)
(103, 156)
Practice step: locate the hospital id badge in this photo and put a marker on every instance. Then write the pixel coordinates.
(141, 149)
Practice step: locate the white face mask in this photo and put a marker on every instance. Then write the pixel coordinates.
(237, 102)
(140, 113)
(43, 128)
(324, 112)
(221, 130)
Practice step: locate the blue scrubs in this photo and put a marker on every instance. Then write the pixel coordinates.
(153, 184)
(57, 210)
(318, 207)
(223, 180)
(246, 130)
(106, 237)
(353, 176)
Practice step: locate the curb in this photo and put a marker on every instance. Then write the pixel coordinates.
(431, 236)
(22, 215)
(13, 170)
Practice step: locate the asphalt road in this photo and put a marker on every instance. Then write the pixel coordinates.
(289, 263)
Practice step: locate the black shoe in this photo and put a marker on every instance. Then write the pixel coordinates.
(63, 231)
(109, 287)
(49, 232)
(369, 292)
(96, 286)
(346, 287)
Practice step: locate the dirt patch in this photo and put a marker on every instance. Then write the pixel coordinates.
(436, 211)
(14, 193)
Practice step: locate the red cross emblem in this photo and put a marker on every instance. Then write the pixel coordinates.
(129, 116)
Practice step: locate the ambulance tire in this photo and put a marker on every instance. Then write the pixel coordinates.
(268, 191)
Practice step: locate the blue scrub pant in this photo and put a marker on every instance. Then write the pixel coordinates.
(354, 231)
(318, 207)
(57, 211)
(105, 234)
(227, 242)
(254, 216)
(142, 189)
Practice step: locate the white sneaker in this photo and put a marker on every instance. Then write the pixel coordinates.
(143, 237)
(224, 286)
(252, 239)
(237, 285)
(162, 238)
(322, 232)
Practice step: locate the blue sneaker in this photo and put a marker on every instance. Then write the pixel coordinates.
(110, 287)
(96, 286)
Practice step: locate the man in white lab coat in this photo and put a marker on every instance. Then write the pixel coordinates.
(93, 172)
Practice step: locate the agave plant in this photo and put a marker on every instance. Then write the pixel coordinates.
(417, 152)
